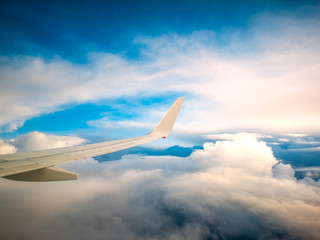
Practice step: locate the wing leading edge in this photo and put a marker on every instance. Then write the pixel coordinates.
(40, 165)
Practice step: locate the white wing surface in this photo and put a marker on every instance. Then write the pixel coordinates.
(40, 165)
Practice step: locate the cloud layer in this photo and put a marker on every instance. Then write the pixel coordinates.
(229, 190)
(262, 78)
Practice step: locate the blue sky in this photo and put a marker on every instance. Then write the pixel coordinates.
(71, 29)
(110, 70)
(246, 143)
(76, 36)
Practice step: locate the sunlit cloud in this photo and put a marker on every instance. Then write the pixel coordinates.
(6, 147)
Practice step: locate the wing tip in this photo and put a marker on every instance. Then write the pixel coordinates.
(166, 124)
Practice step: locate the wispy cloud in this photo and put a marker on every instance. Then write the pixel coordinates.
(262, 78)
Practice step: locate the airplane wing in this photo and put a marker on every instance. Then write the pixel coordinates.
(40, 165)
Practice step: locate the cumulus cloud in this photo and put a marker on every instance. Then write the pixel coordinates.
(310, 181)
(229, 190)
(271, 85)
(6, 147)
(34, 141)
(284, 171)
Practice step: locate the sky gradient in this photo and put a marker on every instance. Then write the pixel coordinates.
(243, 160)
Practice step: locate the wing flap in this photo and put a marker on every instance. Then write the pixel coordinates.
(44, 174)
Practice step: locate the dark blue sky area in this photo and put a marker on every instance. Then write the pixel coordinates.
(72, 29)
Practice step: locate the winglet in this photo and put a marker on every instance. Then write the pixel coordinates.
(165, 126)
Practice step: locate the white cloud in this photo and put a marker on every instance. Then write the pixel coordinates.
(306, 142)
(34, 141)
(227, 190)
(232, 136)
(283, 140)
(242, 152)
(296, 135)
(271, 85)
(308, 169)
